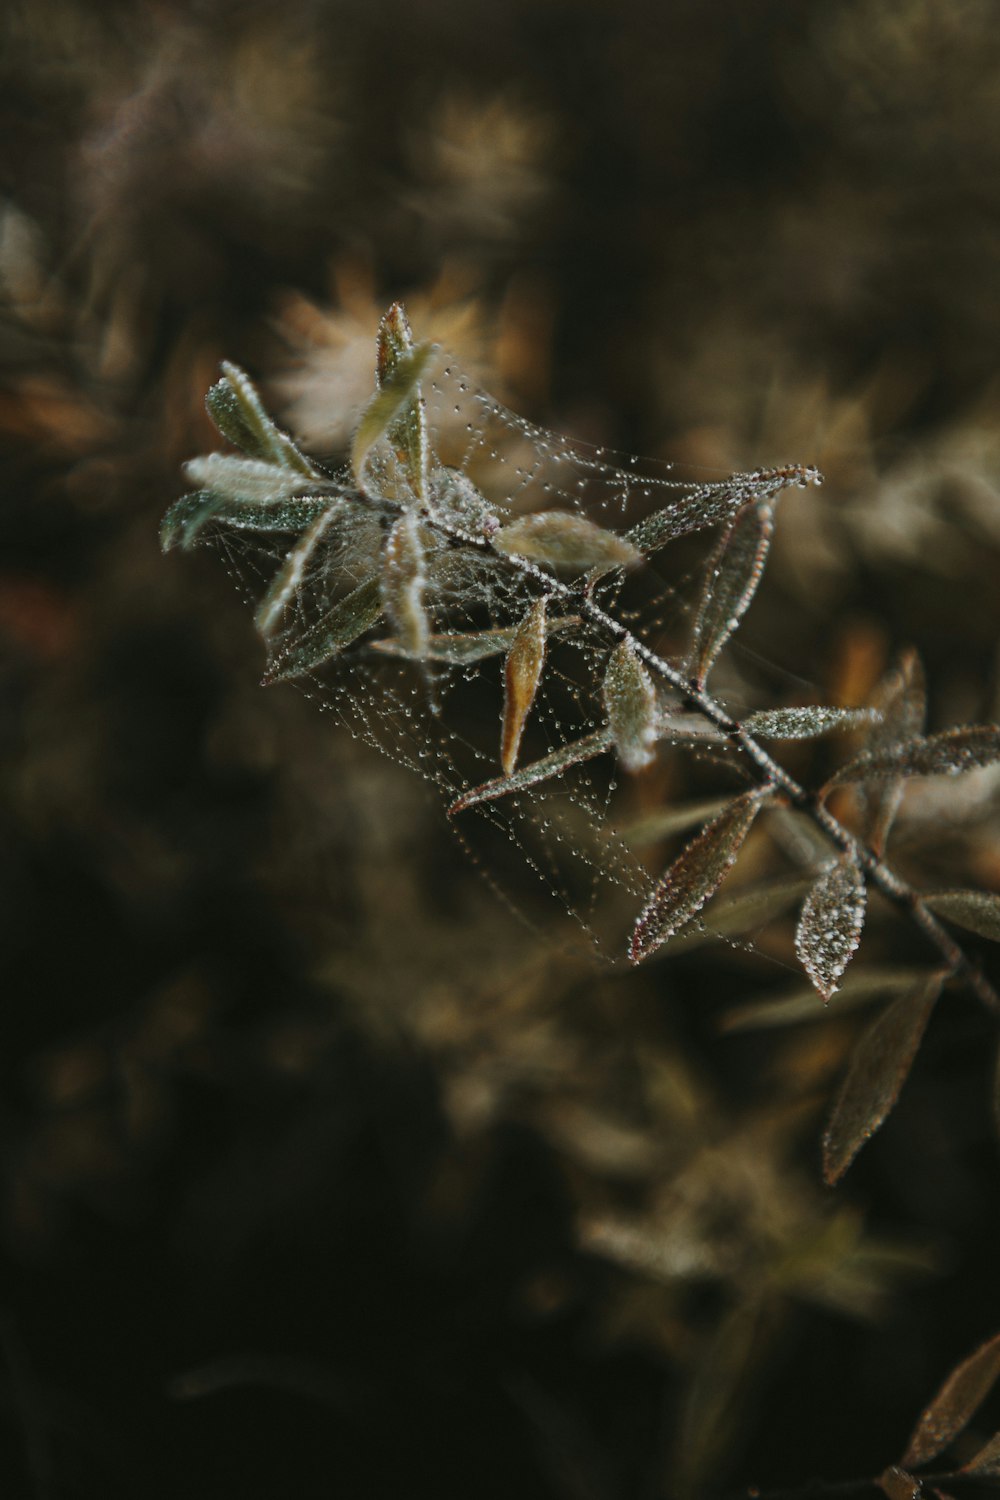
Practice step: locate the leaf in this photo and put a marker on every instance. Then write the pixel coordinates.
(460, 649)
(239, 414)
(714, 1407)
(712, 504)
(251, 479)
(806, 723)
(345, 623)
(522, 673)
(289, 575)
(877, 1072)
(897, 1484)
(559, 539)
(403, 581)
(694, 876)
(986, 1461)
(734, 571)
(799, 1005)
(965, 1389)
(550, 765)
(829, 928)
(744, 910)
(409, 430)
(978, 911)
(630, 702)
(945, 754)
(664, 821)
(389, 402)
(188, 515)
(901, 700)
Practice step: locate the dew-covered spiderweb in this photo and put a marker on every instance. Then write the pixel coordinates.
(316, 559)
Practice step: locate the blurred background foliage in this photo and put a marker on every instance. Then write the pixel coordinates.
(322, 1174)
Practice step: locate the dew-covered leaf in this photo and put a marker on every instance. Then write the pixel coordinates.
(187, 516)
(978, 911)
(630, 703)
(403, 580)
(987, 1461)
(877, 1072)
(965, 1389)
(897, 1484)
(252, 479)
(901, 701)
(398, 392)
(522, 673)
(694, 876)
(734, 571)
(806, 723)
(829, 928)
(554, 764)
(345, 623)
(946, 754)
(562, 540)
(803, 1004)
(464, 648)
(713, 504)
(289, 575)
(408, 432)
(239, 414)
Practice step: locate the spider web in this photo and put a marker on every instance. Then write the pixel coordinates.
(441, 718)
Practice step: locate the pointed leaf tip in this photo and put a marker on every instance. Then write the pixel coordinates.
(630, 703)
(522, 674)
(562, 540)
(829, 928)
(962, 1393)
(734, 571)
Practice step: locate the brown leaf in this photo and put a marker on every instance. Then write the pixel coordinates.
(734, 571)
(550, 765)
(947, 754)
(901, 701)
(897, 1484)
(694, 876)
(877, 1072)
(965, 1389)
(987, 1460)
(630, 701)
(806, 723)
(560, 539)
(978, 911)
(522, 673)
(829, 928)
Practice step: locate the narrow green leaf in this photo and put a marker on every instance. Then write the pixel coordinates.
(829, 928)
(409, 430)
(694, 876)
(403, 581)
(554, 764)
(901, 701)
(188, 515)
(734, 571)
(460, 649)
(249, 479)
(239, 414)
(630, 702)
(345, 623)
(978, 911)
(562, 540)
(946, 754)
(965, 1389)
(803, 1004)
(290, 574)
(806, 723)
(877, 1072)
(397, 393)
(521, 676)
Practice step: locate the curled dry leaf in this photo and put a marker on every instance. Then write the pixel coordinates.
(806, 723)
(734, 571)
(965, 1389)
(694, 876)
(829, 928)
(946, 754)
(238, 412)
(521, 675)
(877, 1072)
(901, 702)
(564, 541)
(630, 703)
(403, 580)
(348, 620)
(978, 911)
(560, 760)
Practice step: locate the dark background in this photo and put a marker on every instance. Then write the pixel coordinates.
(321, 1175)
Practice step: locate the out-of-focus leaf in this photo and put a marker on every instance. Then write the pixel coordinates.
(460, 649)
(630, 702)
(714, 1404)
(587, 748)
(238, 413)
(521, 675)
(901, 701)
(389, 402)
(987, 1460)
(806, 723)
(803, 1004)
(694, 876)
(979, 911)
(897, 1484)
(877, 1072)
(829, 928)
(741, 912)
(289, 575)
(345, 623)
(945, 754)
(562, 540)
(664, 821)
(403, 579)
(734, 571)
(965, 1389)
